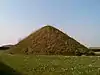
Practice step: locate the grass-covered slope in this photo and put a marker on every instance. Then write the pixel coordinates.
(7, 70)
(52, 65)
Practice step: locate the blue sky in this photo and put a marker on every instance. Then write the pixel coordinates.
(80, 19)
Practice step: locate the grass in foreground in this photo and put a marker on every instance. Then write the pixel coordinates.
(52, 65)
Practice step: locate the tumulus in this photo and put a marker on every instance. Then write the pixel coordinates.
(49, 40)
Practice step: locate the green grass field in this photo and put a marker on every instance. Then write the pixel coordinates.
(52, 65)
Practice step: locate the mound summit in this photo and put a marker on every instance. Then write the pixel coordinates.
(49, 40)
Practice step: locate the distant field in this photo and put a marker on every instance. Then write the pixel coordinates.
(52, 65)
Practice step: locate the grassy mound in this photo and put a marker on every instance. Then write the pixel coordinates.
(49, 41)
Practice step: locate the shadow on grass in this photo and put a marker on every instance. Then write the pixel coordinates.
(6, 70)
